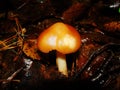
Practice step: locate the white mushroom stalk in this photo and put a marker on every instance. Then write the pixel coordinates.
(61, 63)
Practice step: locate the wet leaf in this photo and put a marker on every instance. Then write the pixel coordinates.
(30, 49)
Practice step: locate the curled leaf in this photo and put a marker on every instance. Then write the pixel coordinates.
(30, 49)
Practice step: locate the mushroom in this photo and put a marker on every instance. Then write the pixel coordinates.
(63, 38)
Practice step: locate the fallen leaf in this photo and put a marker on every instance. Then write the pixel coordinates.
(30, 49)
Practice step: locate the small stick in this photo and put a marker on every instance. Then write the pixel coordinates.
(9, 79)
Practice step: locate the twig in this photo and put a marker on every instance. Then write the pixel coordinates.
(9, 79)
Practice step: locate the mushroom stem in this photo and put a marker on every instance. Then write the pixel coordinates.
(61, 63)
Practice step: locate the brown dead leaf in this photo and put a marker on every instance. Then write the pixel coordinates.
(30, 49)
(74, 12)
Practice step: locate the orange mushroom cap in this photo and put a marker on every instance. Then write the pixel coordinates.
(61, 37)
